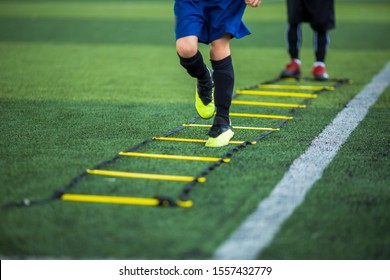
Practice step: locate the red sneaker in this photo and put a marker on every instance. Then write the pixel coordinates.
(292, 70)
(319, 73)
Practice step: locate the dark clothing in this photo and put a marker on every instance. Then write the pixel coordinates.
(224, 83)
(223, 77)
(294, 41)
(321, 42)
(195, 66)
(319, 13)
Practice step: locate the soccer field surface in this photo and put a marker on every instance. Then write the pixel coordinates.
(83, 80)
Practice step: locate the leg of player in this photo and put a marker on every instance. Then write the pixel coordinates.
(221, 131)
(191, 59)
(293, 41)
(321, 42)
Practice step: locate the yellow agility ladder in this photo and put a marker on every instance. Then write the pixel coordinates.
(276, 88)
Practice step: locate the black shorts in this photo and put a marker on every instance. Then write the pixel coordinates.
(319, 13)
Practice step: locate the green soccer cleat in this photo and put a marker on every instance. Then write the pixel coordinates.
(220, 135)
(204, 98)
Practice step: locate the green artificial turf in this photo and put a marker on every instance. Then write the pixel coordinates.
(345, 216)
(81, 81)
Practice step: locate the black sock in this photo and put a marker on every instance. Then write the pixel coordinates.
(196, 67)
(294, 40)
(224, 82)
(321, 41)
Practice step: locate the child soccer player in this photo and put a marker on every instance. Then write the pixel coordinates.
(213, 22)
(320, 15)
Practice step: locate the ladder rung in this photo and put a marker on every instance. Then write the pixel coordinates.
(260, 116)
(303, 87)
(178, 157)
(234, 127)
(289, 79)
(194, 140)
(276, 93)
(144, 176)
(120, 200)
(268, 104)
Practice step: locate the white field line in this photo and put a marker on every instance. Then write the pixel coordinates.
(258, 230)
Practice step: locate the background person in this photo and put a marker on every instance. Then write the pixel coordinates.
(320, 15)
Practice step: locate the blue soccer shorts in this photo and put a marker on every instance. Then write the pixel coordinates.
(209, 20)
